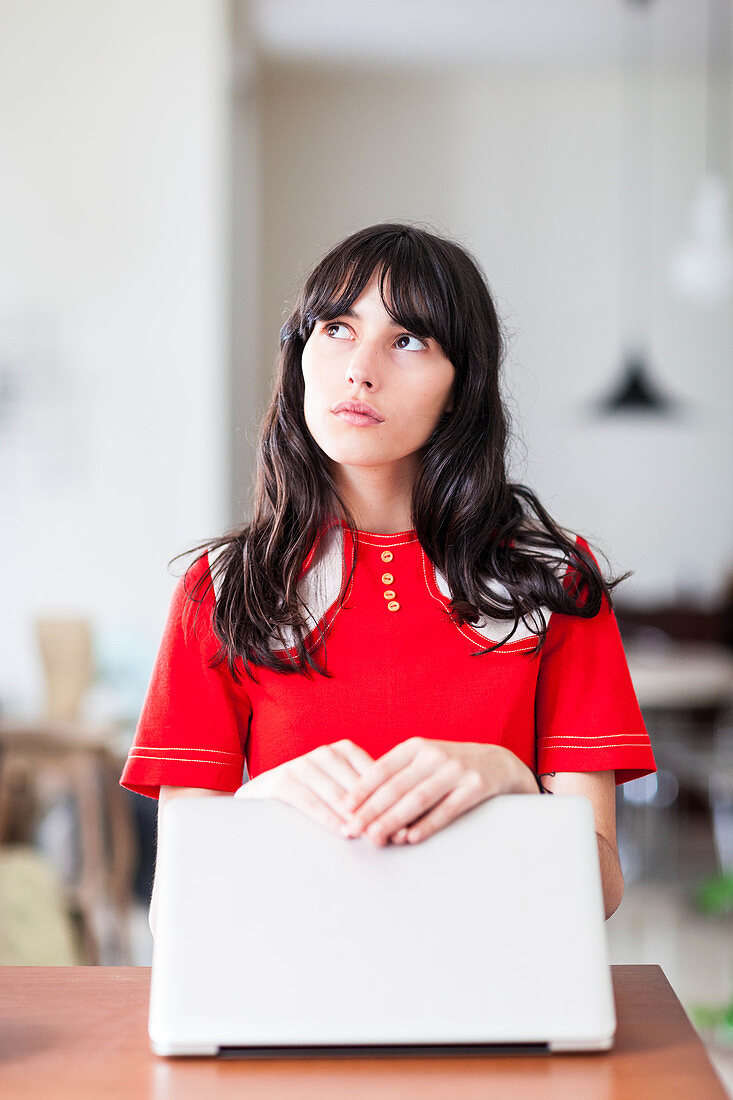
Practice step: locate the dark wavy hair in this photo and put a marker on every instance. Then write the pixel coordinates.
(464, 510)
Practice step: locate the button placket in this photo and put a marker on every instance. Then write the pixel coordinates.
(389, 579)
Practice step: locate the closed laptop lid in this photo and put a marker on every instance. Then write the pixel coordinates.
(273, 931)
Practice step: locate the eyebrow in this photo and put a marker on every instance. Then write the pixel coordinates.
(350, 312)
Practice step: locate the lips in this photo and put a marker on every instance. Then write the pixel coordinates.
(360, 408)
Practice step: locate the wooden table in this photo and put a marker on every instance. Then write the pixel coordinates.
(82, 1032)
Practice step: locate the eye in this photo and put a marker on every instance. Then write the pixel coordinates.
(406, 336)
(332, 325)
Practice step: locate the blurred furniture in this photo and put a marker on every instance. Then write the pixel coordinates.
(35, 926)
(681, 663)
(68, 665)
(685, 622)
(48, 756)
(681, 675)
(88, 1026)
(686, 690)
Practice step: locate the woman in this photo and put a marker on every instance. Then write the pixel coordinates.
(399, 633)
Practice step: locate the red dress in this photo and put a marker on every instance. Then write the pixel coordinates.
(400, 668)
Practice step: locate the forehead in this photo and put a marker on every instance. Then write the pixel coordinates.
(406, 308)
(368, 303)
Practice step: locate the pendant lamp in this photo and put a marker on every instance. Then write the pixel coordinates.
(635, 391)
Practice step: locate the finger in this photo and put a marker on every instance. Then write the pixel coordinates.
(343, 762)
(359, 759)
(396, 788)
(330, 760)
(302, 798)
(354, 758)
(328, 789)
(380, 771)
(400, 837)
(415, 803)
(451, 807)
(330, 771)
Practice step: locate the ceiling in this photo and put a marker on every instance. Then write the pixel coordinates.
(417, 33)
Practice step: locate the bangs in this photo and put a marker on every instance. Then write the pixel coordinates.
(415, 285)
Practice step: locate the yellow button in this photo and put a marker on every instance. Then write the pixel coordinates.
(387, 555)
(387, 578)
(393, 605)
(389, 594)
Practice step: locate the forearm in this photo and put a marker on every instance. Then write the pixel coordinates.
(612, 878)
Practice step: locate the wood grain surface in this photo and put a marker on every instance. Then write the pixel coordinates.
(78, 1032)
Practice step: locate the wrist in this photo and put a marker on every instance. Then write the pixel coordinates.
(522, 780)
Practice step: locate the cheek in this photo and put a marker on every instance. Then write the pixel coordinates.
(429, 402)
(315, 374)
(317, 399)
(316, 402)
(310, 378)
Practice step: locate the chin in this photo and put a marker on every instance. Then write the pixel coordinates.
(357, 456)
(362, 449)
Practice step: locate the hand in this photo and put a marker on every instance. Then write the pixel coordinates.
(422, 785)
(315, 782)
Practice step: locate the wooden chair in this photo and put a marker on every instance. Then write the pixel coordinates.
(45, 757)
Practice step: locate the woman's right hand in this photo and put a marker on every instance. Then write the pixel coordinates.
(314, 783)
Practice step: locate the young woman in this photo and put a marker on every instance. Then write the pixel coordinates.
(399, 633)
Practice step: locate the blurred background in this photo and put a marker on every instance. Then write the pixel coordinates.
(171, 172)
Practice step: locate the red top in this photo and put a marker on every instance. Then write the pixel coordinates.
(400, 668)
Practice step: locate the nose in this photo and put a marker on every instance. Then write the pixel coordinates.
(362, 368)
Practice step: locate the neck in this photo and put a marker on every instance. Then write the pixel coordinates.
(379, 498)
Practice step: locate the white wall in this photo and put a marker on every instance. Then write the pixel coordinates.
(113, 308)
(526, 169)
(120, 422)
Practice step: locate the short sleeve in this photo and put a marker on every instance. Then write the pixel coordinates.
(587, 717)
(194, 721)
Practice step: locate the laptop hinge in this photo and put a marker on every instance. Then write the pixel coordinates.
(394, 1050)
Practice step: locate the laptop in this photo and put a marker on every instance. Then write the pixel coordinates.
(276, 937)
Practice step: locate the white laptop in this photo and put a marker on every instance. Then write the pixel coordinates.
(276, 937)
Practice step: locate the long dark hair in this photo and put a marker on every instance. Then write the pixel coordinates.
(464, 511)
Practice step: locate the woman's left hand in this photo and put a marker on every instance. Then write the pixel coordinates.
(435, 781)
